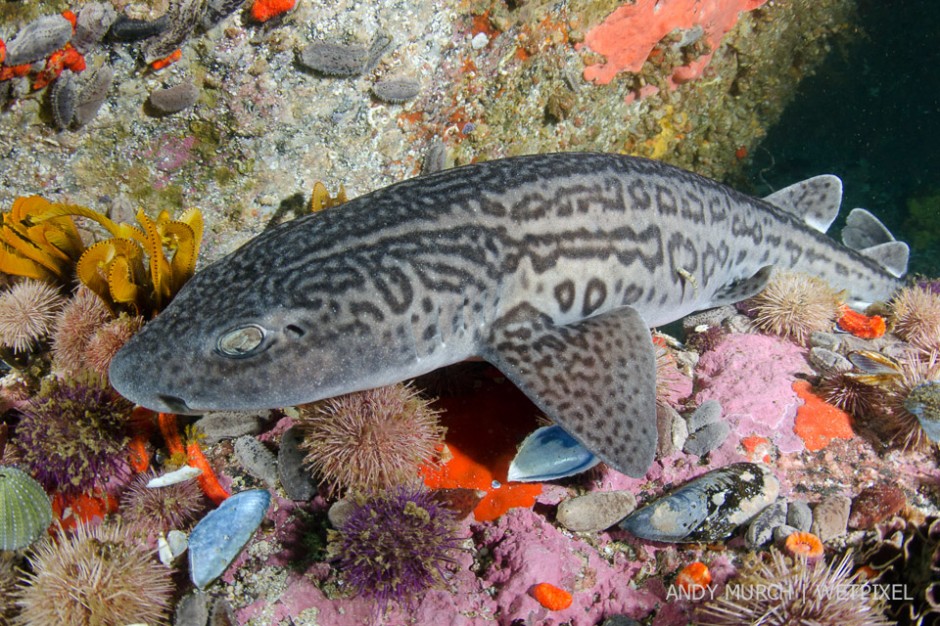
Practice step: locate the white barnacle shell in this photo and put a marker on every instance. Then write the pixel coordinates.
(221, 534)
(187, 472)
(25, 510)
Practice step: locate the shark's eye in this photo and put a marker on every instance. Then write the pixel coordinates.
(241, 341)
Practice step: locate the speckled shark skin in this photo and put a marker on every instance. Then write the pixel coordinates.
(552, 267)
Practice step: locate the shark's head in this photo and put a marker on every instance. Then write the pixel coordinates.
(257, 330)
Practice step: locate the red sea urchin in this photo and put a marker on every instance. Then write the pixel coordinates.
(370, 440)
(72, 435)
(395, 545)
(779, 591)
(94, 576)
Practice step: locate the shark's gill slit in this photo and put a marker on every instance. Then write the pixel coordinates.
(294, 331)
(177, 405)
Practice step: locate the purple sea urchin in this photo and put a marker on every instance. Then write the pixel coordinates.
(370, 440)
(795, 305)
(94, 576)
(72, 435)
(916, 315)
(161, 509)
(778, 591)
(28, 311)
(394, 545)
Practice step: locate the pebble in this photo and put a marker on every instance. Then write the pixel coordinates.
(334, 59)
(593, 512)
(339, 512)
(125, 29)
(257, 460)
(229, 425)
(826, 361)
(38, 39)
(761, 529)
(830, 517)
(174, 99)
(709, 412)
(874, 505)
(295, 478)
(828, 341)
(782, 532)
(673, 431)
(436, 157)
(92, 24)
(396, 89)
(192, 610)
(710, 317)
(62, 97)
(220, 536)
(800, 516)
(479, 41)
(707, 438)
(222, 614)
(708, 508)
(93, 87)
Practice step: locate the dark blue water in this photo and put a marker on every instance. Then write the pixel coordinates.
(871, 115)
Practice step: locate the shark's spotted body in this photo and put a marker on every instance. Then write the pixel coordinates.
(552, 267)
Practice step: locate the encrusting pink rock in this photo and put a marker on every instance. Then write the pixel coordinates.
(752, 376)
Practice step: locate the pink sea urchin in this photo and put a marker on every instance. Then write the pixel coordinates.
(795, 305)
(94, 576)
(28, 312)
(72, 435)
(395, 545)
(779, 591)
(82, 316)
(370, 440)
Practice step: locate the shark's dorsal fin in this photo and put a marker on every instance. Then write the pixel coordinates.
(742, 289)
(815, 200)
(866, 234)
(595, 378)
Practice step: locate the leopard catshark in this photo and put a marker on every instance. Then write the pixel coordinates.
(551, 267)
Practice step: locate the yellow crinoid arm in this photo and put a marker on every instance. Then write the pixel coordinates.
(94, 266)
(321, 199)
(159, 266)
(121, 231)
(16, 238)
(192, 217)
(17, 265)
(121, 282)
(179, 238)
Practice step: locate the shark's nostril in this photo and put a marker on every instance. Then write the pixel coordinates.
(176, 405)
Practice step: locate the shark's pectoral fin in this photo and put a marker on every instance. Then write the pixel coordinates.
(744, 288)
(816, 200)
(595, 378)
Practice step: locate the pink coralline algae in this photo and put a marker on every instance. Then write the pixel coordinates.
(630, 33)
(752, 376)
(527, 550)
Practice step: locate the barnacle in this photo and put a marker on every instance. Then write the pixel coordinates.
(130, 272)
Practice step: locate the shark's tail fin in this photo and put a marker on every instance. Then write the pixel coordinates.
(865, 234)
